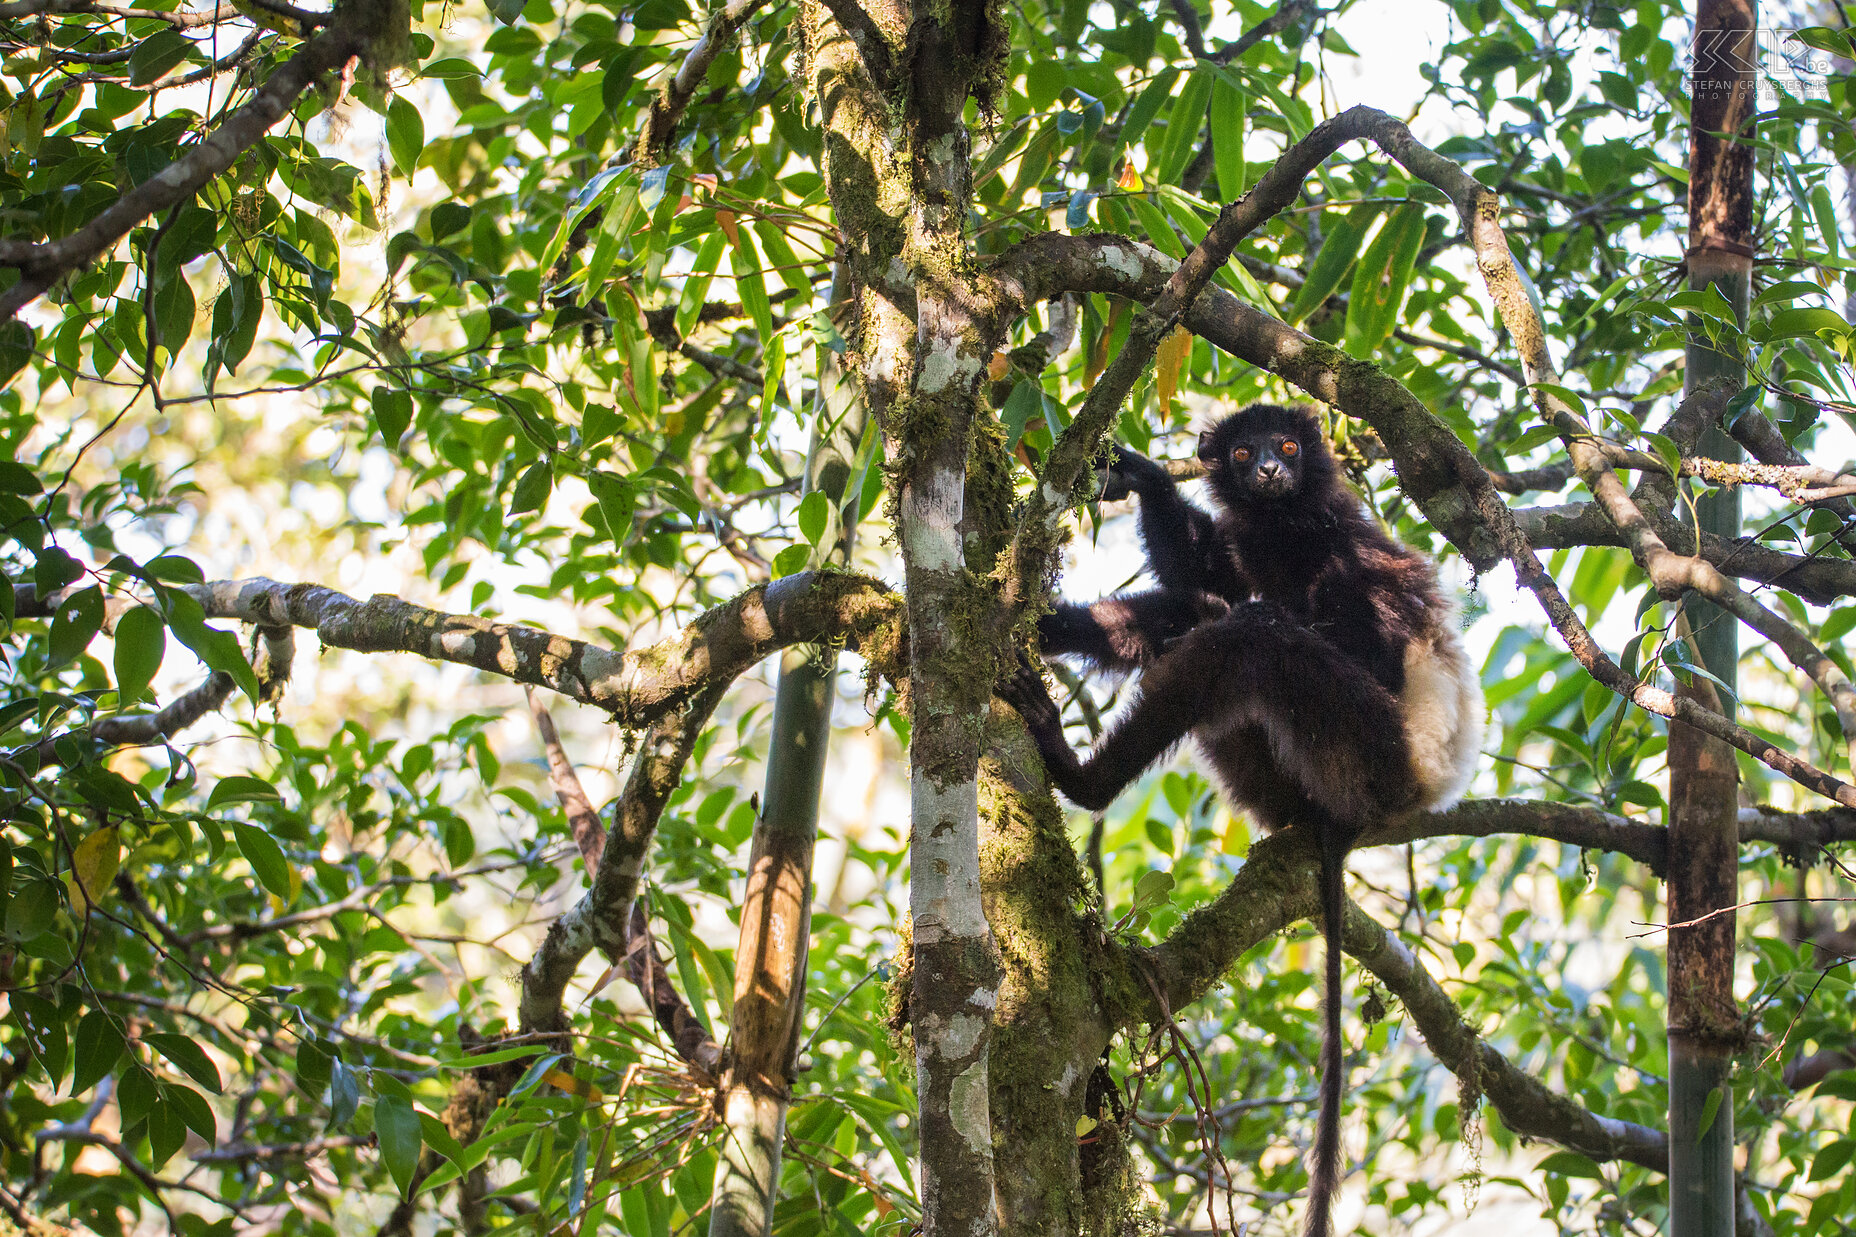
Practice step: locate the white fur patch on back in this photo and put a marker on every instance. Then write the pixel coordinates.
(1443, 717)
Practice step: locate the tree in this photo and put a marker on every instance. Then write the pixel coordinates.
(540, 331)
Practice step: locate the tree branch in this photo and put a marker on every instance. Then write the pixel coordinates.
(1276, 887)
(645, 968)
(43, 264)
(582, 817)
(673, 98)
(180, 19)
(1526, 1104)
(598, 919)
(637, 687)
(1569, 823)
(143, 728)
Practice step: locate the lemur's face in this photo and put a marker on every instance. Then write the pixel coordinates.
(1265, 463)
(1258, 454)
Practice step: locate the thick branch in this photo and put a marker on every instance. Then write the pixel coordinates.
(1526, 1104)
(1798, 831)
(1286, 15)
(1276, 887)
(639, 809)
(1817, 579)
(636, 687)
(1569, 823)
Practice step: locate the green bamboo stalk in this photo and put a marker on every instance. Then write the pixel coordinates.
(1703, 820)
(770, 961)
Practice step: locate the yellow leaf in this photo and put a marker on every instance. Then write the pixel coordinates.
(94, 865)
(1098, 355)
(1130, 179)
(573, 1086)
(1169, 361)
(1084, 1124)
(1236, 840)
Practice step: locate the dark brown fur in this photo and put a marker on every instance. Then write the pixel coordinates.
(1277, 639)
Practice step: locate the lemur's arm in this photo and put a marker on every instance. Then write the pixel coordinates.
(1184, 550)
(1128, 631)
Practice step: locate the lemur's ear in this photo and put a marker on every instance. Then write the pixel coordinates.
(1205, 446)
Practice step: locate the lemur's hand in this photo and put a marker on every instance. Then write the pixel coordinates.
(1025, 691)
(1129, 473)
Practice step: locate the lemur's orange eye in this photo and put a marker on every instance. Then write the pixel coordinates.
(1241, 455)
(1290, 446)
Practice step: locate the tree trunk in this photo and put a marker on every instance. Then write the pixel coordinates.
(770, 960)
(1703, 821)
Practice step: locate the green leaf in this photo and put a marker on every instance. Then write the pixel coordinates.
(188, 1056)
(141, 642)
(236, 314)
(167, 1131)
(1708, 1110)
(812, 516)
(396, 1125)
(1025, 402)
(450, 68)
(1825, 39)
(43, 1025)
(405, 134)
(791, 560)
(696, 287)
(1339, 247)
(532, 487)
(1667, 451)
(344, 1094)
(266, 859)
(1228, 139)
(750, 283)
(1572, 399)
(78, 620)
(1803, 322)
(239, 788)
(194, 1111)
(156, 54)
(1185, 122)
(392, 412)
(1147, 105)
(174, 310)
(16, 478)
(312, 1065)
(136, 1093)
(438, 1138)
(220, 650)
(1570, 1164)
(1152, 889)
(477, 1060)
(1380, 279)
(616, 503)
